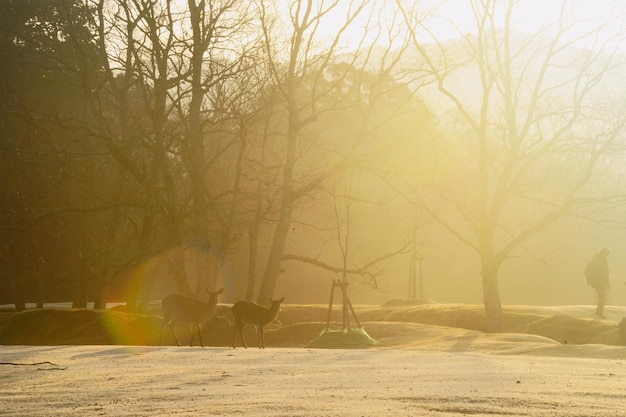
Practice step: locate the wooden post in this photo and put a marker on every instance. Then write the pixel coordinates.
(354, 314)
(346, 315)
(421, 278)
(347, 306)
(330, 303)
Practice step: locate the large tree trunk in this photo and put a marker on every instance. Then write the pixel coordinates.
(491, 294)
(106, 275)
(253, 232)
(253, 251)
(196, 142)
(80, 295)
(272, 269)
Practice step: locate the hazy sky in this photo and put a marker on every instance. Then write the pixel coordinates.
(529, 15)
(449, 18)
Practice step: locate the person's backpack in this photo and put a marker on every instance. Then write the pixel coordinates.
(590, 273)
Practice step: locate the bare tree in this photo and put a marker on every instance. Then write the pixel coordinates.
(143, 59)
(309, 81)
(173, 60)
(532, 123)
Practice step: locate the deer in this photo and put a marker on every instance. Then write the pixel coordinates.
(247, 312)
(176, 307)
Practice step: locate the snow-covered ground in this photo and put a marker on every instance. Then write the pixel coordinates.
(155, 381)
(415, 370)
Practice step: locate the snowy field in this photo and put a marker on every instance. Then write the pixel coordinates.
(416, 369)
(159, 381)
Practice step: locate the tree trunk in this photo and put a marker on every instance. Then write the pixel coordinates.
(253, 249)
(272, 269)
(196, 141)
(100, 303)
(491, 294)
(80, 296)
(251, 278)
(41, 293)
(19, 297)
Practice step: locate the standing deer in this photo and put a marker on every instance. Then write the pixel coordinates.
(247, 312)
(177, 308)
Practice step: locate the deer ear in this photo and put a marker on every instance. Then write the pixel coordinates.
(281, 300)
(221, 290)
(270, 298)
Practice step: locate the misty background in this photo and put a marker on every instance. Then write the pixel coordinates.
(271, 147)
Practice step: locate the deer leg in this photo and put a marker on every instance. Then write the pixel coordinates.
(243, 339)
(192, 330)
(262, 337)
(199, 327)
(259, 335)
(173, 327)
(163, 324)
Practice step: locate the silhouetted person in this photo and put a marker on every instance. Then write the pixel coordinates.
(597, 273)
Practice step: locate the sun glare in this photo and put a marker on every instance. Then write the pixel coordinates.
(380, 22)
(452, 18)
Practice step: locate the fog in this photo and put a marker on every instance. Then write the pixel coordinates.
(495, 156)
(548, 272)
